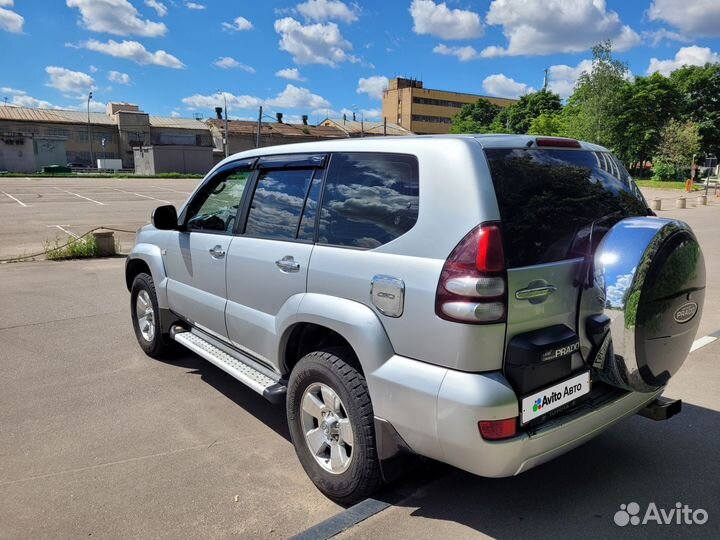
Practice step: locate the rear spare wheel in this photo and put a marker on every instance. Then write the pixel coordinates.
(650, 282)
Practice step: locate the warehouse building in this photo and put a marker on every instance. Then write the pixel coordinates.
(422, 110)
(33, 138)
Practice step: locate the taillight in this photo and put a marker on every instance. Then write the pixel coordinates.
(472, 287)
(557, 142)
(494, 430)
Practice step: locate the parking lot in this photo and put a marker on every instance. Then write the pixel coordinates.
(98, 440)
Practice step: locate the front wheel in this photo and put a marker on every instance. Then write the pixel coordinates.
(331, 423)
(145, 315)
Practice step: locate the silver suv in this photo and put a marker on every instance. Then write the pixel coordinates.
(486, 301)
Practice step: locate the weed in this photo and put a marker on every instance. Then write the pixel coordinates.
(72, 248)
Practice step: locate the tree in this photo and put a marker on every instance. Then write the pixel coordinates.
(475, 117)
(678, 142)
(547, 124)
(593, 110)
(646, 106)
(519, 116)
(700, 86)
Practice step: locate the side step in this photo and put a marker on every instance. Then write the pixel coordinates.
(271, 389)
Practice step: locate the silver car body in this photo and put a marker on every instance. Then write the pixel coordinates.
(432, 379)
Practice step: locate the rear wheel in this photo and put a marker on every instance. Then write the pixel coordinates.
(331, 423)
(145, 315)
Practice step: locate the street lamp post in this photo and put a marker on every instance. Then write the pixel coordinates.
(92, 158)
(226, 141)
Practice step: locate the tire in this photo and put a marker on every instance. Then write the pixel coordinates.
(360, 476)
(148, 330)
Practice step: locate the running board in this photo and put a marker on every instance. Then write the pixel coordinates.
(270, 389)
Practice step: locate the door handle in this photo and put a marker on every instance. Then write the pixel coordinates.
(217, 252)
(287, 264)
(535, 293)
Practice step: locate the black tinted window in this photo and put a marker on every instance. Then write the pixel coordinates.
(549, 198)
(369, 199)
(277, 203)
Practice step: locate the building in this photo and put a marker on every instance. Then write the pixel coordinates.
(183, 159)
(114, 135)
(353, 128)
(243, 134)
(422, 110)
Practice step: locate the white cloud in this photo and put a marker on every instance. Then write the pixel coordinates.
(118, 77)
(658, 36)
(371, 114)
(554, 26)
(175, 114)
(239, 24)
(118, 17)
(686, 56)
(313, 43)
(325, 10)
(463, 53)
(134, 51)
(694, 17)
(71, 82)
(194, 5)
(292, 97)
(439, 20)
(291, 74)
(159, 7)
(93, 69)
(502, 86)
(372, 86)
(11, 91)
(10, 21)
(228, 62)
(562, 78)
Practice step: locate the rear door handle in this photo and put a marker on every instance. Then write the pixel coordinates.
(534, 293)
(217, 252)
(287, 264)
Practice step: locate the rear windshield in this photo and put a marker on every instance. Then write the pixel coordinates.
(548, 200)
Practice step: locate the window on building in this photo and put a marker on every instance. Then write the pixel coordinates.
(277, 203)
(438, 102)
(369, 200)
(431, 119)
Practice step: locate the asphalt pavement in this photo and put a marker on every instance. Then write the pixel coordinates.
(98, 440)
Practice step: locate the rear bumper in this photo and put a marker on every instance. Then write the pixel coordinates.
(436, 412)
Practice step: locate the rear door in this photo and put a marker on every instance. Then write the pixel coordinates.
(550, 199)
(268, 263)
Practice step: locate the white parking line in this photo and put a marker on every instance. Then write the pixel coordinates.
(141, 195)
(81, 196)
(173, 190)
(14, 199)
(66, 231)
(701, 342)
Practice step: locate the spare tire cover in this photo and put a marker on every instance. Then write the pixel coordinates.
(650, 280)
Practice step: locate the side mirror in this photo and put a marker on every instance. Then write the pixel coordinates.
(165, 218)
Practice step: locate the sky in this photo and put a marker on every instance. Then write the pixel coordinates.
(326, 57)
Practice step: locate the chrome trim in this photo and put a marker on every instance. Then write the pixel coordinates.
(622, 261)
(532, 293)
(388, 295)
(288, 265)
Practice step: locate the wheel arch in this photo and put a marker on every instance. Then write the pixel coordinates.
(326, 321)
(147, 258)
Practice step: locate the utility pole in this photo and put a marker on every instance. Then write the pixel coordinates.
(227, 135)
(384, 125)
(89, 131)
(259, 127)
(545, 80)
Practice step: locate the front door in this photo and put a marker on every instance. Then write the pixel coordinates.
(196, 256)
(267, 265)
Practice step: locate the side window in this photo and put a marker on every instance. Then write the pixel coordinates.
(278, 202)
(218, 211)
(369, 200)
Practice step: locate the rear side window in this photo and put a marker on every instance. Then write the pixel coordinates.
(549, 198)
(277, 203)
(370, 199)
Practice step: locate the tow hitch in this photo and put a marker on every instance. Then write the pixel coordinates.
(661, 409)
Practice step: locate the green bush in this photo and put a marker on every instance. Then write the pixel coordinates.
(663, 171)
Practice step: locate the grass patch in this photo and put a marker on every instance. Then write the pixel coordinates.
(72, 248)
(666, 185)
